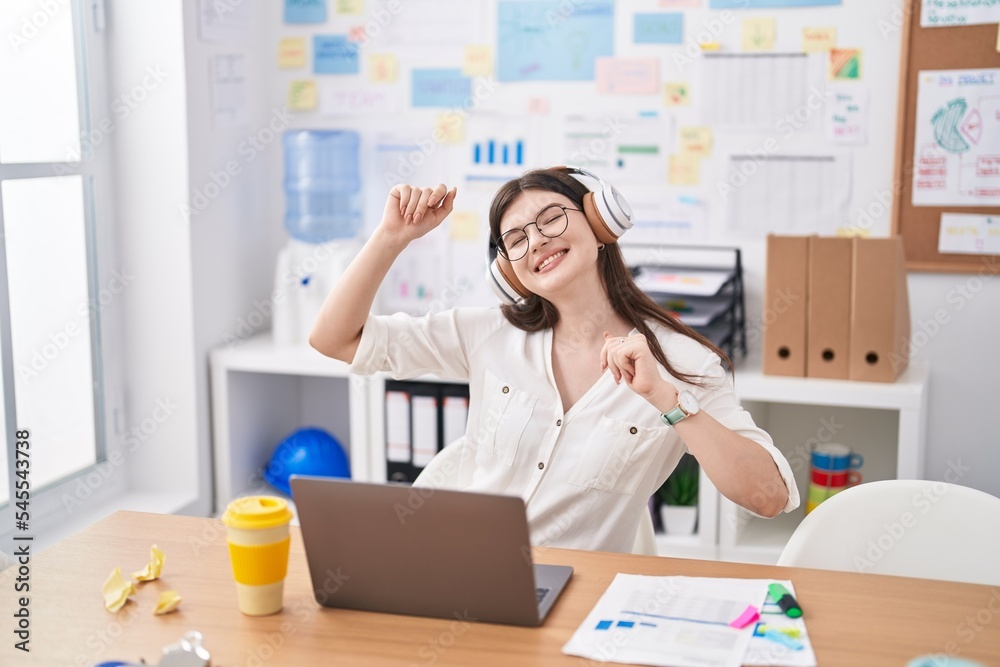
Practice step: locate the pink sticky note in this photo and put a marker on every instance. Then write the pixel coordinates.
(749, 615)
(628, 76)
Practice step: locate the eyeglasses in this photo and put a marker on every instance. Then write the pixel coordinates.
(550, 223)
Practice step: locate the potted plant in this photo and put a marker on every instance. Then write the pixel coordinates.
(679, 498)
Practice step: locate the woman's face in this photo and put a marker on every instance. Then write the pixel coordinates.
(549, 264)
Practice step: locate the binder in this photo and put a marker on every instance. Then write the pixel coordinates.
(785, 305)
(828, 325)
(880, 310)
(397, 434)
(421, 418)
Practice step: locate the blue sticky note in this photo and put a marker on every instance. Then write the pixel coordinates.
(553, 41)
(603, 625)
(767, 4)
(333, 54)
(305, 11)
(626, 624)
(659, 28)
(441, 88)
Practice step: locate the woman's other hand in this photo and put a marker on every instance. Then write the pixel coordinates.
(411, 212)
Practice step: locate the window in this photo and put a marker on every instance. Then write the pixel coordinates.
(53, 162)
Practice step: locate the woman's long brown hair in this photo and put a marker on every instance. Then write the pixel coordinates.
(628, 301)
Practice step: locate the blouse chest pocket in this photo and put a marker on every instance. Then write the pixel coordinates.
(506, 412)
(616, 457)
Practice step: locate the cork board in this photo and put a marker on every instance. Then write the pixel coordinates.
(968, 47)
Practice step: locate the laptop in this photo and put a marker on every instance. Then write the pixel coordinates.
(424, 552)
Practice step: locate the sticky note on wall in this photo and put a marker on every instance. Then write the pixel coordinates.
(676, 94)
(305, 11)
(845, 64)
(449, 128)
(477, 60)
(658, 28)
(759, 34)
(292, 52)
(302, 95)
(383, 68)
(818, 39)
(696, 140)
(350, 6)
(685, 169)
(628, 76)
(464, 226)
(334, 54)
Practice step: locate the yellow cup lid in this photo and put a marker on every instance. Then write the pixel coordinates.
(254, 512)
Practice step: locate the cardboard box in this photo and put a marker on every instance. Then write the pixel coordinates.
(785, 297)
(880, 310)
(828, 323)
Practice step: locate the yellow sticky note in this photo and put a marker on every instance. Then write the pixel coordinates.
(383, 68)
(758, 34)
(685, 169)
(464, 226)
(710, 46)
(154, 567)
(860, 232)
(168, 601)
(449, 128)
(676, 94)
(818, 39)
(292, 52)
(302, 95)
(350, 6)
(116, 590)
(696, 140)
(478, 60)
(998, 38)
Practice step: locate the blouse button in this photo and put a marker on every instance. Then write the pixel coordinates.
(506, 390)
(633, 430)
(541, 465)
(558, 422)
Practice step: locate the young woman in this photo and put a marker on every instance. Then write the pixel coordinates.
(584, 395)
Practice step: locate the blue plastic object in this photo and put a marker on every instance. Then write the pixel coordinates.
(307, 451)
(322, 185)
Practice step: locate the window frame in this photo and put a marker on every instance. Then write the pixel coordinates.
(59, 500)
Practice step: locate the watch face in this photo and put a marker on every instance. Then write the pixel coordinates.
(688, 402)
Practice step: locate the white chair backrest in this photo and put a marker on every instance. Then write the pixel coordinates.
(910, 528)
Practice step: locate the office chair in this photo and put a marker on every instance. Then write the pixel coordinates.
(436, 475)
(903, 527)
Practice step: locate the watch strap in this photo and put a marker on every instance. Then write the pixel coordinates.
(673, 416)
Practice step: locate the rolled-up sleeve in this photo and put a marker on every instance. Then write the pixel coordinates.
(719, 400)
(437, 344)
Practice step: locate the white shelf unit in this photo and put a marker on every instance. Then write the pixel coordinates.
(261, 392)
(885, 422)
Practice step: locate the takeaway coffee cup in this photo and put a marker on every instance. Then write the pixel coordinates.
(835, 457)
(257, 532)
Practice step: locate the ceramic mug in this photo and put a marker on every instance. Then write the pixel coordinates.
(835, 457)
(828, 479)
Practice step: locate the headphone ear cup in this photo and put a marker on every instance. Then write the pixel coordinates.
(504, 282)
(597, 223)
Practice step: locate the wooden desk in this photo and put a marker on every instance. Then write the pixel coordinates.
(853, 619)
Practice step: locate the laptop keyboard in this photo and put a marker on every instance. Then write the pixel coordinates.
(540, 593)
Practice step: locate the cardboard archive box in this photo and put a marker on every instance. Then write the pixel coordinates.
(828, 323)
(785, 299)
(880, 310)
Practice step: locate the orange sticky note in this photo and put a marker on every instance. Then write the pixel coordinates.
(292, 52)
(845, 64)
(449, 128)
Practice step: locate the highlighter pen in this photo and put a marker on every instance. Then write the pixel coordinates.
(785, 600)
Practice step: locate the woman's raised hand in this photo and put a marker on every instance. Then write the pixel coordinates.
(412, 212)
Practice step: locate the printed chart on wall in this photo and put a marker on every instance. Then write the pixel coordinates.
(957, 144)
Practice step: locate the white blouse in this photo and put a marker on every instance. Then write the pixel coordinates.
(584, 474)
